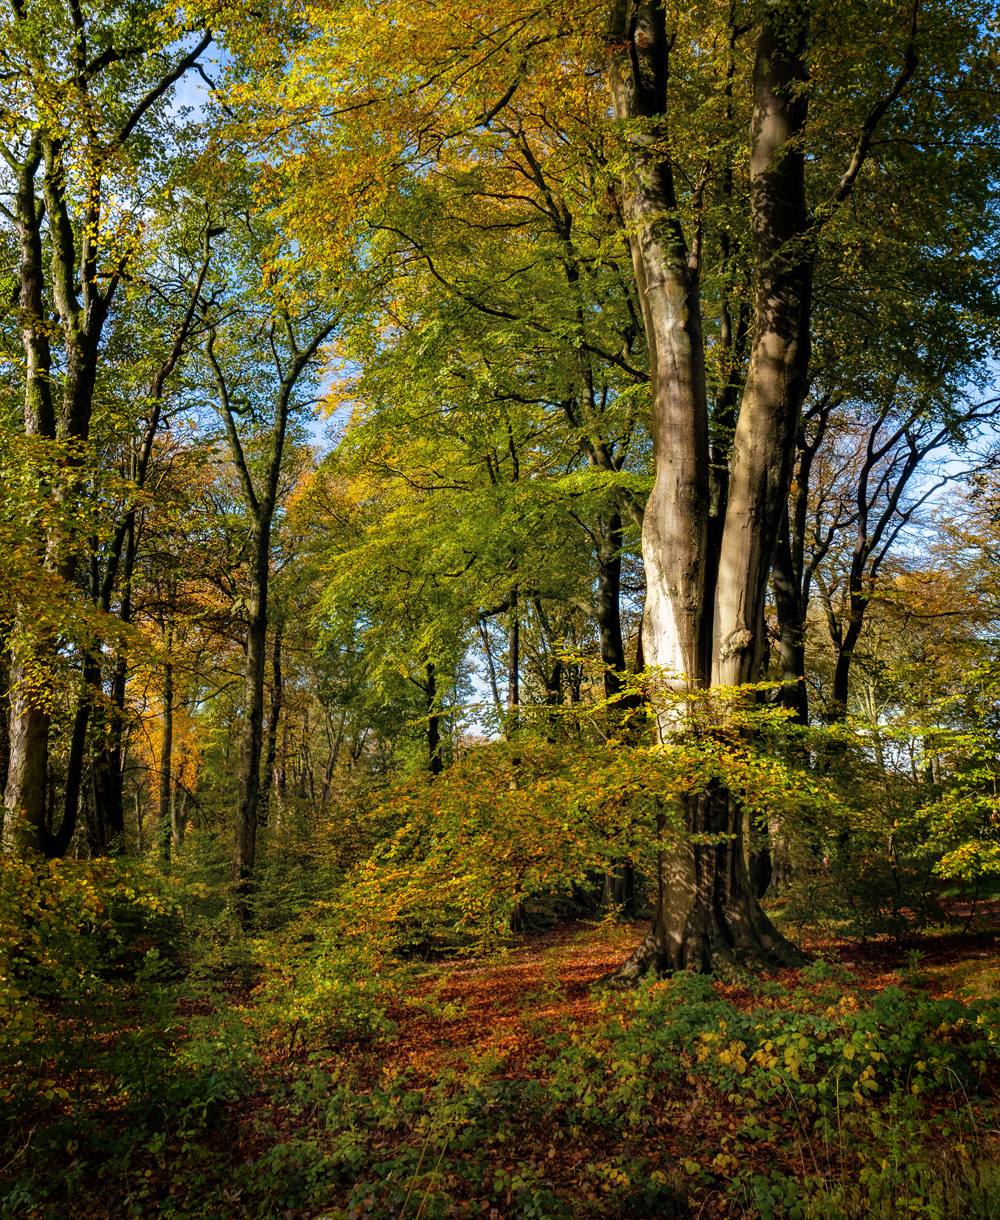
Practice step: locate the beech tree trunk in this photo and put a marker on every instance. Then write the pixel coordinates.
(251, 741)
(703, 618)
(164, 829)
(271, 732)
(331, 762)
(58, 843)
(109, 796)
(706, 580)
(63, 236)
(29, 765)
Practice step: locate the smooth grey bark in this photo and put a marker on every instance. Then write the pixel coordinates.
(667, 274)
(703, 619)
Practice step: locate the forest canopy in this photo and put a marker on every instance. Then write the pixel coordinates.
(468, 470)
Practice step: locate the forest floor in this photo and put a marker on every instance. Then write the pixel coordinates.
(512, 1087)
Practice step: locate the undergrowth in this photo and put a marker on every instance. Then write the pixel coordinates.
(154, 1066)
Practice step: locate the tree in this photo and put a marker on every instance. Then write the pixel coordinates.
(828, 95)
(705, 588)
(260, 359)
(77, 117)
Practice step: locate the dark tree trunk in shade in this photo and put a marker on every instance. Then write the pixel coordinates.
(490, 665)
(248, 783)
(618, 888)
(260, 498)
(60, 840)
(271, 733)
(609, 623)
(178, 818)
(4, 732)
(164, 829)
(109, 797)
(622, 718)
(514, 665)
(435, 763)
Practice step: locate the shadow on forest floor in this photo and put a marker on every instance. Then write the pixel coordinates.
(508, 1087)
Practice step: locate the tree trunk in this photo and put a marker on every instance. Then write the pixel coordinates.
(4, 733)
(271, 734)
(59, 842)
(109, 797)
(703, 619)
(514, 666)
(435, 764)
(27, 778)
(609, 623)
(331, 762)
(245, 849)
(845, 656)
(706, 918)
(791, 628)
(178, 810)
(260, 502)
(166, 750)
(491, 667)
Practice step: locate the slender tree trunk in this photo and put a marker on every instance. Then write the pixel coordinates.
(245, 851)
(109, 764)
(281, 778)
(260, 501)
(514, 666)
(609, 623)
(178, 812)
(60, 841)
(845, 657)
(435, 763)
(271, 735)
(491, 667)
(166, 751)
(4, 734)
(331, 762)
(791, 627)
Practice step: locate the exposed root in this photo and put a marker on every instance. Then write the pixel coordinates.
(709, 947)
